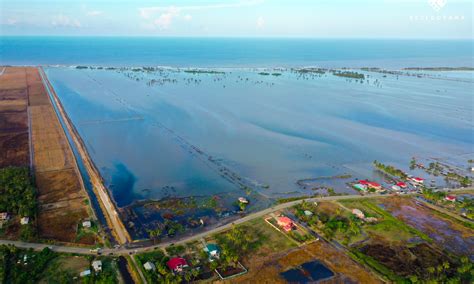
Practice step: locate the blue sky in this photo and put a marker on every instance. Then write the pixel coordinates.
(240, 18)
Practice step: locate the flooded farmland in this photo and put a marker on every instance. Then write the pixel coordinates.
(215, 135)
(448, 234)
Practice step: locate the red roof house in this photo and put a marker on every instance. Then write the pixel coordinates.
(374, 185)
(364, 182)
(402, 184)
(177, 264)
(418, 179)
(451, 198)
(286, 223)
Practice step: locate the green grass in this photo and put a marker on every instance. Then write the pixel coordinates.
(268, 238)
(388, 226)
(379, 268)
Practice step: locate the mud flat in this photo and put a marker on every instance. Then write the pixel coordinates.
(13, 118)
(62, 197)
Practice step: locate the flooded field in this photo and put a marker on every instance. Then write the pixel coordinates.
(157, 133)
(448, 234)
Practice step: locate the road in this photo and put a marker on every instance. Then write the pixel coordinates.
(124, 250)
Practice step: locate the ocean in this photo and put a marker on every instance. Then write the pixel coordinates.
(233, 52)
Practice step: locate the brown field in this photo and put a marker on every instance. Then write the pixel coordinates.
(61, 196)
(13, 118)
(278, 254)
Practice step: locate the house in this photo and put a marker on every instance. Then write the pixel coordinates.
(243, 200)
(176, 264)
(451, 198)
(364, 182)
(86, 224)
(24, 220)
(401, 184)
(374, 185)
(360, 187)
(286, 223)
(97, 265)
(4, 216)
(396, 188)
(418, 179)
(149, 266)
(85, 273)
(308, 213)
(359, 214)
(212, 250)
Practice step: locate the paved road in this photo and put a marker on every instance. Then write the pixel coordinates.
(124, 250)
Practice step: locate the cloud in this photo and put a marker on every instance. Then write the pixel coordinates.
(260, 22)
(65, 21)
(162, 16)
(94, 13)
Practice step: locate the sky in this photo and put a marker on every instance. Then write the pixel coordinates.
(445, 19)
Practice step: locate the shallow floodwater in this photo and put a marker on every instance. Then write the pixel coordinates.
(167, 133)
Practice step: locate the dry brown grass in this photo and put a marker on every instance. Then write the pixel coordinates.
(61, 195)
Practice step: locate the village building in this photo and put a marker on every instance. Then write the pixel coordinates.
(401, 184)
(243, 200)
(97, 265)
(285, 223)
(451, 198)
(85, 273)
(212, 250)
(177, 264)
(4, 216)
(418, 179)
(308, 213)
(24, 220)
(149, 266)
(374, 185)
(86, 224)
(360, 187)
(396, 188)
(359, 214)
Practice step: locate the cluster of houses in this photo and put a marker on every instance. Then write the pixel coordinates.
(366, 185)
(5, 217)
(359, 214)
(179, 264)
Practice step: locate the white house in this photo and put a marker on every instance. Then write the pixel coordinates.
(149, 266)
(86, 224)
(85, 273)
(97, 265)
(25, 220)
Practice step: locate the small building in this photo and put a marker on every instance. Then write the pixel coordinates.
(212, 250)
(308, 213)
(177, 264)
(451, 198)
(149, 266)
(87, 224)
(401, 184)
(360, 187)
(85, 273)
(374, 185)
(243, 200)
(396, 188)
(4, 216)
(285, 223)
(418, 179)
(24, 220)
(359, 214)
(472, 169)
(364, 182)
(97, 265)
